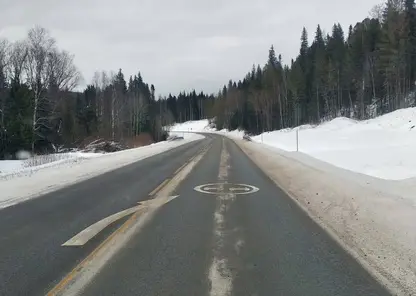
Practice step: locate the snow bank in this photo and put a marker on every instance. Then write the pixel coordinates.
(383, 147)
(190, 126)
(32, 182)
(365, 214)
(185, 135)
(236, 134)
(9, 166)
(16, 168)
(181, 129)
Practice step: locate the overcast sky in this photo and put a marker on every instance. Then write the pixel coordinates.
(177, 44)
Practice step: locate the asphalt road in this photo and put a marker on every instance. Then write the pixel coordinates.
(32, 260)
(224, 238)
(222, 242)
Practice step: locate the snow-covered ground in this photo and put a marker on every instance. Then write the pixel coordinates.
(201, 126)
(19, 183)
(10, 166)
(186, 135)
(191, 126)
(383, 147)
(13, 168)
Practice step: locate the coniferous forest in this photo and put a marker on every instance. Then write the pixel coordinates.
(360, 72)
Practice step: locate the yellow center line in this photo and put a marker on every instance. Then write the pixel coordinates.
(181, 167)
(122, 229)
(71, 275)
(154, 191)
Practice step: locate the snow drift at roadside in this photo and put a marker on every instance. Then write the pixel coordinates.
(27, 183)
(383, 147)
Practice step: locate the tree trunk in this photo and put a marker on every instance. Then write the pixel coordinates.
(34, 119)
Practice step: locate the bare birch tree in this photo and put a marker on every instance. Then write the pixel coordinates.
(18, 57)
(62, 71)
(4, 60)
(46, 65)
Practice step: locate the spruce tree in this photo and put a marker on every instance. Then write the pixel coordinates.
(411, 40)
(318, 73)
(272, 61)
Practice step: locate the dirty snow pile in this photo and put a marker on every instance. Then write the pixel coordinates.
(19, 183)
(383, 147)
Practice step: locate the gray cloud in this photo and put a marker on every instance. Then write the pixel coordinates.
(177, 44)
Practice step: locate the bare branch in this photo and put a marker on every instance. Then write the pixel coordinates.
(62, 71)
(4, 53)
(18, 56)
(377, 11)
(41, 124)
(40, 45)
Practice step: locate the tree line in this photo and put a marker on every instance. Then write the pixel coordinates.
(41, 112)
(364, 73)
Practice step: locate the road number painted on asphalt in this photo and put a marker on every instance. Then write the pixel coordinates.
(216, 188)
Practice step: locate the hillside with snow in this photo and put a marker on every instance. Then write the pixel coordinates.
(191, 126)
(200, 126)
(383, 147)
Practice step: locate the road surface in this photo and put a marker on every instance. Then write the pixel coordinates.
(32, 259)
(230, 231)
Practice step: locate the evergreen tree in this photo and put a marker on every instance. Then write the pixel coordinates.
(368, 73)
(411, 40)
(318, 72)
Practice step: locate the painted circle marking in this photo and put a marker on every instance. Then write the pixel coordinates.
(217, 188)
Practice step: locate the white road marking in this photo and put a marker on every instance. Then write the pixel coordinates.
(239, 189)
(84, 236)
(155, 202)
(211, 188)
(238, 245)
(219, 273)
(224, 187)
(220, 282)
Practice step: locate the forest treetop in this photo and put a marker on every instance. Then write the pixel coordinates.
(367, 70)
